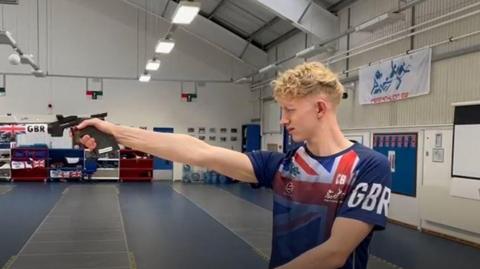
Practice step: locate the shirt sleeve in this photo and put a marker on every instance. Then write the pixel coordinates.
(265, 165)
(369, 197)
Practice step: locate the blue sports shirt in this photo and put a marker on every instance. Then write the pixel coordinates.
(311, 191)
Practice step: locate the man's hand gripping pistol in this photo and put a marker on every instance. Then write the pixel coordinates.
(105, 142)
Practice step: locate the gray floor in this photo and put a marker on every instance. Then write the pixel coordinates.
(5, 188)
(166, 230)
(84, 230)
(249, 221)
(397, 246)
(60, 225)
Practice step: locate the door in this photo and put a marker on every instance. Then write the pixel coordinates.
(162, 169)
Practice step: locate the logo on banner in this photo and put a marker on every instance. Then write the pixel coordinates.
(396, 79)
(382, 83)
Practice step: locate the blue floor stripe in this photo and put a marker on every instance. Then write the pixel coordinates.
(399, 245)
(21, 211)
(165, 229)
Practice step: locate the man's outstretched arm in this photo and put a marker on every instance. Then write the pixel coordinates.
(178, 148)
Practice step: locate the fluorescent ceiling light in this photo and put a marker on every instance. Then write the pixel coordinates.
(185, 12)
(267, 68)
(153, 65)
(242, 80)
(7, 39)
(313, 50)
(380, 21)
(39, 73)
(164, 46)
(27, 59)
(145, 77)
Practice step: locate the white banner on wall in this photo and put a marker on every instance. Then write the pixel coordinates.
(396, 79)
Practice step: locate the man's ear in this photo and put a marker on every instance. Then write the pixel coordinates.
(321, 107)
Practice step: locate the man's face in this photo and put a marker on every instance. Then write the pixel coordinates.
(300, 116)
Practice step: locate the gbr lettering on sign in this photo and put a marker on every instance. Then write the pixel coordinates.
(36, 128)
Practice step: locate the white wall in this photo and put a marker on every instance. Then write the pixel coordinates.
(451, 81)
(104, 38)
(440, 210)
(434, 207)
(156, 104)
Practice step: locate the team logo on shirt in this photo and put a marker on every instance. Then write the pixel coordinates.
(289, 188)
(341, 179)
(337, 193)
(334, 196)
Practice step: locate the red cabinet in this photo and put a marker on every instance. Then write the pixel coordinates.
(135, 166)
(29, 164)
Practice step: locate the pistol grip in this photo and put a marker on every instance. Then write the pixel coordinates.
(105, 142)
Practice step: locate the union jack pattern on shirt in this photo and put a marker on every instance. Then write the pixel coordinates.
(311, 191)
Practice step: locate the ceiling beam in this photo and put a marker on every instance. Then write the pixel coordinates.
(213, 34)
(165, 8)
(305, 15)
(258, 31)
(263, 27)
(227, 25)
(282, 38)
(340, 5)
(215, 9)
(322, 3)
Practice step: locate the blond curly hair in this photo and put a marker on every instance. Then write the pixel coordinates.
(308, 78)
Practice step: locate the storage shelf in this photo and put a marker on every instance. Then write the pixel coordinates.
(65, 169)
(27, 154)
(16, 158)
(29, 178)
(135, 166)
(130, 168)
(108, 160)
(106, 178)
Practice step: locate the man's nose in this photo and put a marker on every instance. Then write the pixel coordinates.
(284, 120)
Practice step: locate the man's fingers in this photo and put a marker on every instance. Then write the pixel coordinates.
(88, 142)
(92, 144)
(84, 139)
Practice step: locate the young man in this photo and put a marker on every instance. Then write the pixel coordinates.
(330, 194)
